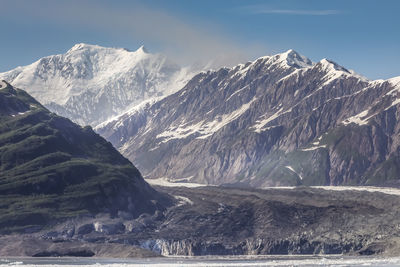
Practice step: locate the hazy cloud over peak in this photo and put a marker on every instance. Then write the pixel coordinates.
(223, 32)
(186, 43)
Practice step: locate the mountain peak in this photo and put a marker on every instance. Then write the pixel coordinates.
(81, 46)
(292, 58)
(87, 71)
(395, 81)
(288, 59)
(291, 53)
(142, 49)
(330, 65)
(84, 46)
(332, 68)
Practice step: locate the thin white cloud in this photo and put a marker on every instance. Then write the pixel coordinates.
(298, 12)
(267, 10)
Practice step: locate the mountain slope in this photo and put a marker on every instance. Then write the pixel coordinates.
(89, 83)
(52, 169)
(280, 120)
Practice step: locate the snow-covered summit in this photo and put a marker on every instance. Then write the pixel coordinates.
(142, 49)
(82, 46)
(335, 71)
(288, 59)
(292, 58)
(329, 65)
(395, 81)
(91, 83)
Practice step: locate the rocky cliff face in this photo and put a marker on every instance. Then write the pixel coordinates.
(280, 120)
(89, 83)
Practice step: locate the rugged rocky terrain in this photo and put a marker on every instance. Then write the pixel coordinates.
(52, 169)
(65, 191)
(280, 120)
(231, 221)
(89, 83)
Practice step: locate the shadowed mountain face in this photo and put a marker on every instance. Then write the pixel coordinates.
(51, 168)
(280, 120)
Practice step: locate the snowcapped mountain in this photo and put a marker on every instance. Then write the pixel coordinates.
(280, 120)
(90, 83)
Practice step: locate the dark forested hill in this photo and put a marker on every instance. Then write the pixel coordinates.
(51, 168)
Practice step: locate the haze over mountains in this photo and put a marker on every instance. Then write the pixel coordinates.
(90, 83)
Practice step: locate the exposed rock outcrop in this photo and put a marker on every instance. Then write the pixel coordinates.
(280, 120)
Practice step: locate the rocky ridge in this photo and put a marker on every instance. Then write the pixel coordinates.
(280, 120)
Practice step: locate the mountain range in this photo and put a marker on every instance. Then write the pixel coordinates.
(89, 83)
(279, 120)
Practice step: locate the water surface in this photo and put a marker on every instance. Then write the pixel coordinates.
(205, 261)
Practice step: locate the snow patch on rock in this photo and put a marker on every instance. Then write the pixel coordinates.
(183, 201)
(359, 119)
(261, 124)
(171, 183)
(204, 128)
(291, 169)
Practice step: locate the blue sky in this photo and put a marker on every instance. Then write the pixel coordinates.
(363, 35)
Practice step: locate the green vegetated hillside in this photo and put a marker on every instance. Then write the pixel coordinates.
(52, 169)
